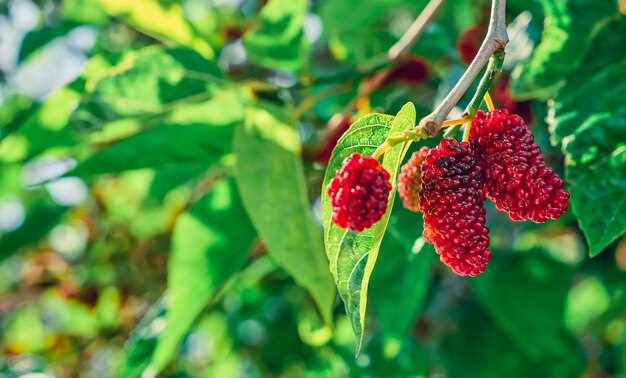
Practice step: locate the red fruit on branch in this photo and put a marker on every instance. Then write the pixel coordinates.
(452, 200)
(517, 180)
(359, 192)
(412, 71)
(410, 181)
(469, 42)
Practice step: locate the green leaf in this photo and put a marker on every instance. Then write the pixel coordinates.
(570, 26)
(351, 255)
(44, 129)
(588, 119)
(271, 181)
(36, 39)
(142, 341)
(192, 136)
(402, 277)
(527, 300)
(277, 40)
(42, 216)
(165, 21)
(210, 243)
(151, 80)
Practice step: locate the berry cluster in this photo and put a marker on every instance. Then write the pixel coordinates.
(452, 202)
(517, 180)
(449, 185)
(359, 192)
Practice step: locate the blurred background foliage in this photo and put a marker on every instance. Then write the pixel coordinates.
(160, 169)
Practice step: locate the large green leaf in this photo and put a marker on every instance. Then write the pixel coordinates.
(351, 255)
(525, 295)
(588, 119)
(190, 137)
(277, 40)
(163, 21)
(210, 243)
(273, 188)
(402, 277)
(570, 26)
(149, 81)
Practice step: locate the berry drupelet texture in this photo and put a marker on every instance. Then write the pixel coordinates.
(451, 201)
(410, 181)
(517, 179)
(359, 192)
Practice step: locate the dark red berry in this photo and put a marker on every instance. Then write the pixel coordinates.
(410, 181)
(359, 192)
(452, 201)
(517, 177)
(502, 96)
(412, 70)
(469, 42)
(334, 131)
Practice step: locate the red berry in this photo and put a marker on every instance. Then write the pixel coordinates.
(359, 192)
(332, 137)
(412, 70)
(410, 181)
(452, 200)
(517, 177)
(469, 43)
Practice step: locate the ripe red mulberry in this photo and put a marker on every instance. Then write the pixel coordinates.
(469, 43)
(452, 200)
(410, 181)
(411, 71)
(359, 192)
(517, 177)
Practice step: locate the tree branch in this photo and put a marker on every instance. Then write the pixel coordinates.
(404, 44)
(496, 39)
(413, 33)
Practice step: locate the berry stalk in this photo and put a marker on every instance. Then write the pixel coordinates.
(486, 82)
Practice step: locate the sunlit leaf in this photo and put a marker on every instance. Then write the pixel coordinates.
(351, 255)
(277, 40)
(588, 120)
(190, 138)
(148, 81)
(273, 188)
(160, 20)
(570, 26)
